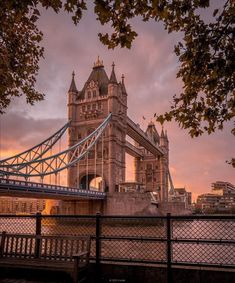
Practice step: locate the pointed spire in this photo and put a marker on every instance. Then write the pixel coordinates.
(162, 133)
(123, 84)
(98, 63)
(166, 135)
(123, 77)
(113, 78)
(73, 87)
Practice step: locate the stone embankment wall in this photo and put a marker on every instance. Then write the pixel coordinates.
(140, 204)
(130, 204)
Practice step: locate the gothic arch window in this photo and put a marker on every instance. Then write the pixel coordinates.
(149, 166)
(106, 152)
(88, 94)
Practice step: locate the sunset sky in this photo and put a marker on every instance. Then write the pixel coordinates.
(150, 68)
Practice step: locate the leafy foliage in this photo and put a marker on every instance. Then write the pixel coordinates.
(20, 49)
(206, 55)
(206, 52)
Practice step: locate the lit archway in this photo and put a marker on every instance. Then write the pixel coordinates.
(93, 182)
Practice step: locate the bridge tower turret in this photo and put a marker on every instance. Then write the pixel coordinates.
(72, 96)
(72, 108)
(164, 166)
(117, 105)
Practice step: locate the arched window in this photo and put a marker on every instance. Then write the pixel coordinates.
(94, 93)
(149, 166)
(89, 95)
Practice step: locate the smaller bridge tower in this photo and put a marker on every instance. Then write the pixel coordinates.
(150, 170)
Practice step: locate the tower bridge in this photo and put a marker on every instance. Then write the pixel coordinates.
(98, 127)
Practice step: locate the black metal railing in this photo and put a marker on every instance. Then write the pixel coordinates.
(207, 241)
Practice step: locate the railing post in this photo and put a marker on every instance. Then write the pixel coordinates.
(169, 248)
(98, 246)
(38, 234)
(2, 243)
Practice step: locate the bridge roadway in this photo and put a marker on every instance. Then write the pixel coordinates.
(135, 132)
(15, 188)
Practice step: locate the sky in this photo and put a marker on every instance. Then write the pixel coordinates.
(150, 68)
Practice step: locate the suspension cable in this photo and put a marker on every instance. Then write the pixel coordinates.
(35, 152)
(102, 156)
(95, 162)
(59, 151)
(87, 170)
(50, 156)
(78, 173)
(60, 161)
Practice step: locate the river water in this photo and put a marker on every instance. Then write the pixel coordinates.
(126, 238)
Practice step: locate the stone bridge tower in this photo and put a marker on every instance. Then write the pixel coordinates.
(87, 109)
(152, 171)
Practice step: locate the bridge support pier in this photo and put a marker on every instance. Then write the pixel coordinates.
(81, 207)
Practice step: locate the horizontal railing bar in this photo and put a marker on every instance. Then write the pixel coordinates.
(203, 217)
(127, 260)
(201, 264)
(203, 241)
(154, 239)
(174, 264)
(72, 216)
(17, 216)
(179, 217)
(147, 239)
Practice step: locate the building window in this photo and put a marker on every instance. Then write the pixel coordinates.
(93, 106)
(99, 106)
(89, 95)
(88, 107)
(94, 93)
(149, 166)
(91, 154)
(83, 108)
(149, 178)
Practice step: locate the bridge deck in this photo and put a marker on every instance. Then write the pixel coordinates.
(9, 187)
(134, 131)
